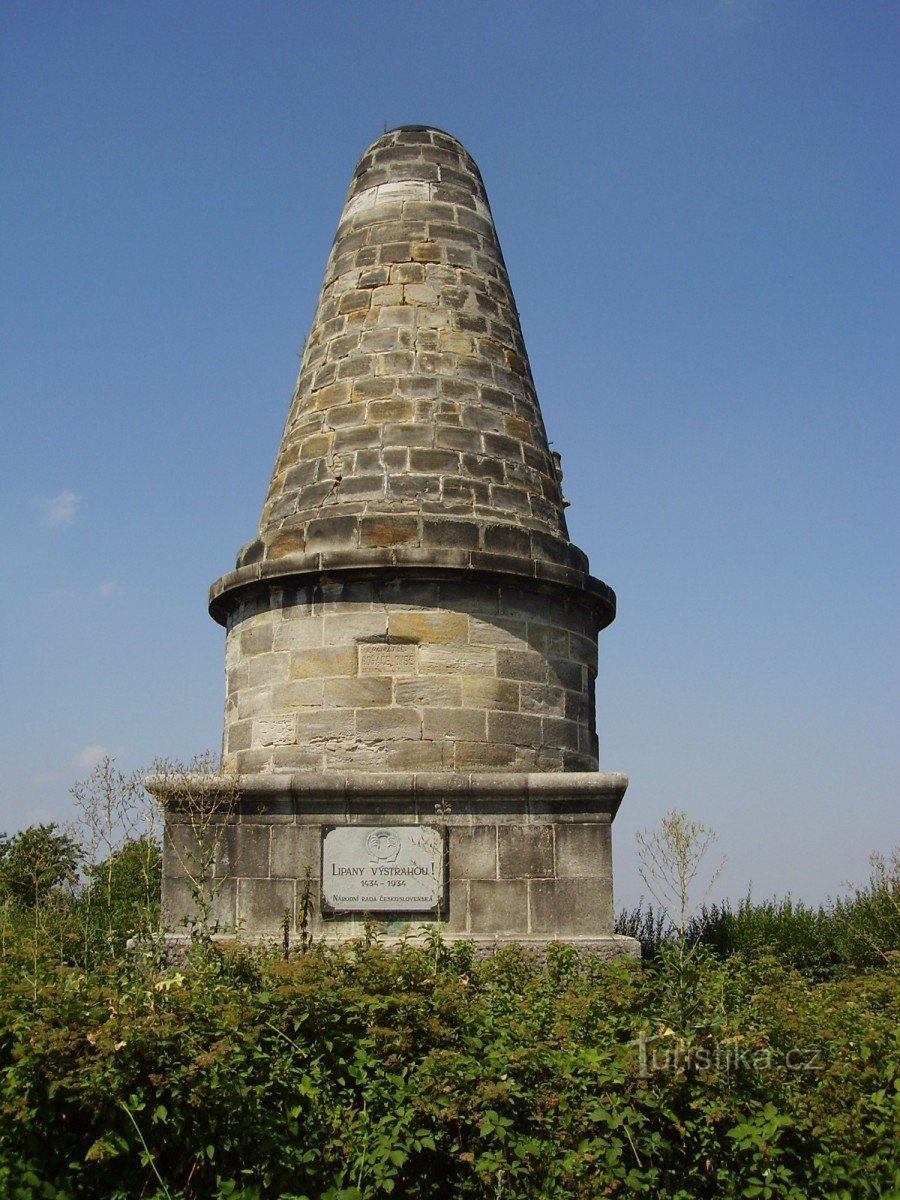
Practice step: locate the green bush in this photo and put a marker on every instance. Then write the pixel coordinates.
(427, 1073)
(754, 1053)
(824, 941)
(120, 899)
(73, 911)
(36, 863)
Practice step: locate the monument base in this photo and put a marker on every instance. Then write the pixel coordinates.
(615, 946)
(491, 858)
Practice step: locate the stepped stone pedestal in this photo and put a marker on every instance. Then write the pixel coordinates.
(411, 647)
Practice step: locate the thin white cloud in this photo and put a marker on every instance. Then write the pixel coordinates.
(89, 756)
(61, 509)
(108, 588)
(44, 778)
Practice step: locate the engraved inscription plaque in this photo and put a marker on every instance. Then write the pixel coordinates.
(380, 659)
(383, 868)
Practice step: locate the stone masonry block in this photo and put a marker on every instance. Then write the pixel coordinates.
(507, 539)
(389, 531)
(341, 629)
(456, 660)
(370, 692)
(417, 756)
(294, 847)
(257, 639)
(239, 736)
(571, 907)
(481, 756)
(498, 906)
(411, 272)
(455, 723)
(473, 852)
(461, 596)
(297, 633)
(558, 732)
(350, 754)
(429, 627)
(186, 848)
(321, 664)
(397, 434)
(548, 639)
(268, 669)
(294, 758)
(458, 907)
(434, 462)
(521, 664)
(542, 700)
(262, 904)
(244, 850)
(443, 690)
(328, 532)
(499, 631)
(584, 650)
(584, 850)
(387, 660)
(389, 724)
(525, 851)
(514, 729)
(274, 731)
(481, 691)
(389, 294)
(249, 762)
(566, 674)
(462, 534)
(317, 725)
(298, 694)
(180, 907)
(392, 409)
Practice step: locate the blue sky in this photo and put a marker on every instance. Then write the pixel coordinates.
(698, 206)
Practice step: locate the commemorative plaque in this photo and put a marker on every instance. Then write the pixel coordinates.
(383, 868)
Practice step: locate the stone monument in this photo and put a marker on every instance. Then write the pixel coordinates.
(411, 646)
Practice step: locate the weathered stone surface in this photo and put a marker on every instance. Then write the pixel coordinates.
(497, 905)
(584, 850)
(245, 847)
(528, 854)
(525, 851)
(473, 853)
(571, 907)
(181, 909)
(425, 650)
(411, 636)
(263, 903)
(416, 303)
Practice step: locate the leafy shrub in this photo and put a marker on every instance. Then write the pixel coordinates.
(37, 862)
(364, 1073)
(822, 941)
(120, 899)
(797, 934)
(647, 924)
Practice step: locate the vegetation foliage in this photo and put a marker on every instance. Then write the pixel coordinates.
(732, 1062)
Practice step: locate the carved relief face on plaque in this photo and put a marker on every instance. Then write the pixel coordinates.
(383, 869)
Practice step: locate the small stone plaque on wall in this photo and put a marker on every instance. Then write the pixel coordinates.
(383, 868)
(380, 659)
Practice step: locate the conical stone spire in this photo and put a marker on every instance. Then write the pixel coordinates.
(414, 435)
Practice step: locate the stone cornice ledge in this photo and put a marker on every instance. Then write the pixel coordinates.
(606, 786)
(227, 591)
